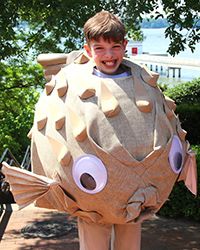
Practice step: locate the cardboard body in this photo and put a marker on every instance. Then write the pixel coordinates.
(113, 147)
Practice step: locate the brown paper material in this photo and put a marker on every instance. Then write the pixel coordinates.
(109, 104)
(133, 145)
(189, 173)
(149, 77)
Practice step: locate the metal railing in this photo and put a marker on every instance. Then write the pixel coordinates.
(5, 213)
(6, 197)
(26, 162)
(7, 156)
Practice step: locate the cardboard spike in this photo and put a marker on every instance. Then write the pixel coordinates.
(142, 99)
(59, 123)
(181, 132)
(41, 123)
(84, 87)
(144, 106)
(78, 126)
(82, 58)
(170, 103)
(30, 133)
(87, 93)
(62, 91)
(64, 157)
(61, 151)
(149, 77)
(56, 111)
(53, 70)
(49, 86)
(109, 104)
(62, 83)
(169, 112)
(48, 77)
(161, 124)
(52, 59)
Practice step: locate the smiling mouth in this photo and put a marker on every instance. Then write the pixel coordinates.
(110, 63)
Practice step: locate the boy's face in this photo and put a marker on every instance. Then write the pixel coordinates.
(107, 55)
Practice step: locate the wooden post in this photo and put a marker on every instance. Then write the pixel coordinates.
(179, 72)
(174, 71)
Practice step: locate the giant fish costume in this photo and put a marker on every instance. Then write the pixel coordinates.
(106, 150)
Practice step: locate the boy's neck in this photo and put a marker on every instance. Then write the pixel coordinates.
(123, 71)
(122, 68)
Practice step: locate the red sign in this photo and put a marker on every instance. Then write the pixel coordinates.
(134, 51)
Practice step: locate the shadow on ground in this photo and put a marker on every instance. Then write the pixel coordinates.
(170, 234)
(54, 231)
(58, 231)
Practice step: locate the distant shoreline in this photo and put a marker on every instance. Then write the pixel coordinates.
(151, 23)
(154, 23)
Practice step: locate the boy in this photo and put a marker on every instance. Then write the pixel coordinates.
(106, 46)
(123, 146)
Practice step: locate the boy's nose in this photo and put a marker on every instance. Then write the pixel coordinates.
(109, 54)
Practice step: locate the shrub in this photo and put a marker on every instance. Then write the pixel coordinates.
(182, 203)
(187, 98)
(188, 92)
(190, 121)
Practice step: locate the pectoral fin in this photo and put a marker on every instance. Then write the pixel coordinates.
(189, 173)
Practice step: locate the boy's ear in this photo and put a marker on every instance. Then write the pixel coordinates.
(125, 43)
(88, 50)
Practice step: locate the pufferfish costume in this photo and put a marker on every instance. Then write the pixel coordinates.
(106, 150)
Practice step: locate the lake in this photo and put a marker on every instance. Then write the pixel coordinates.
(156, 43)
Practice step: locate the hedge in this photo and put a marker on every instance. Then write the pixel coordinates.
(182, 203)
(187, 98)
(188, 92)
(190, 121)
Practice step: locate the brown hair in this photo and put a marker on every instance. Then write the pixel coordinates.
(106, 25)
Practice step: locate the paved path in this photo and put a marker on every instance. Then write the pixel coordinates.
(158, 234)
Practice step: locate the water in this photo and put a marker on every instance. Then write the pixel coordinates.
(156, 43)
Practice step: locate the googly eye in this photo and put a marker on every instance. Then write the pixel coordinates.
(89, 174)
(176, 155)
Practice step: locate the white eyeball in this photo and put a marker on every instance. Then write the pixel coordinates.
(176, 155)
(89, 174)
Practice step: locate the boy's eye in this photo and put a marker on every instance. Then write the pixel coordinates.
(117, 46)
(98, 48)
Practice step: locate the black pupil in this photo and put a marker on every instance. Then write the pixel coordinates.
(88, 181)
(178, 160)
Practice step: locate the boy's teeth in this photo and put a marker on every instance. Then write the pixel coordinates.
(109, 63)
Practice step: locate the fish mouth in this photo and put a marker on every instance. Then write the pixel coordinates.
(142, 205)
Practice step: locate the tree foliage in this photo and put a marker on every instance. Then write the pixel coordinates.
(56, 26)
(188, 92)
(187, 97)
(181, 202)
(182, 15)
(17, 99)
(28, 28)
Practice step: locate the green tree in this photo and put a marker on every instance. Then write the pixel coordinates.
(28, 28)
(182, 15)
(18, 83)
(56, 26)
(136, 35)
